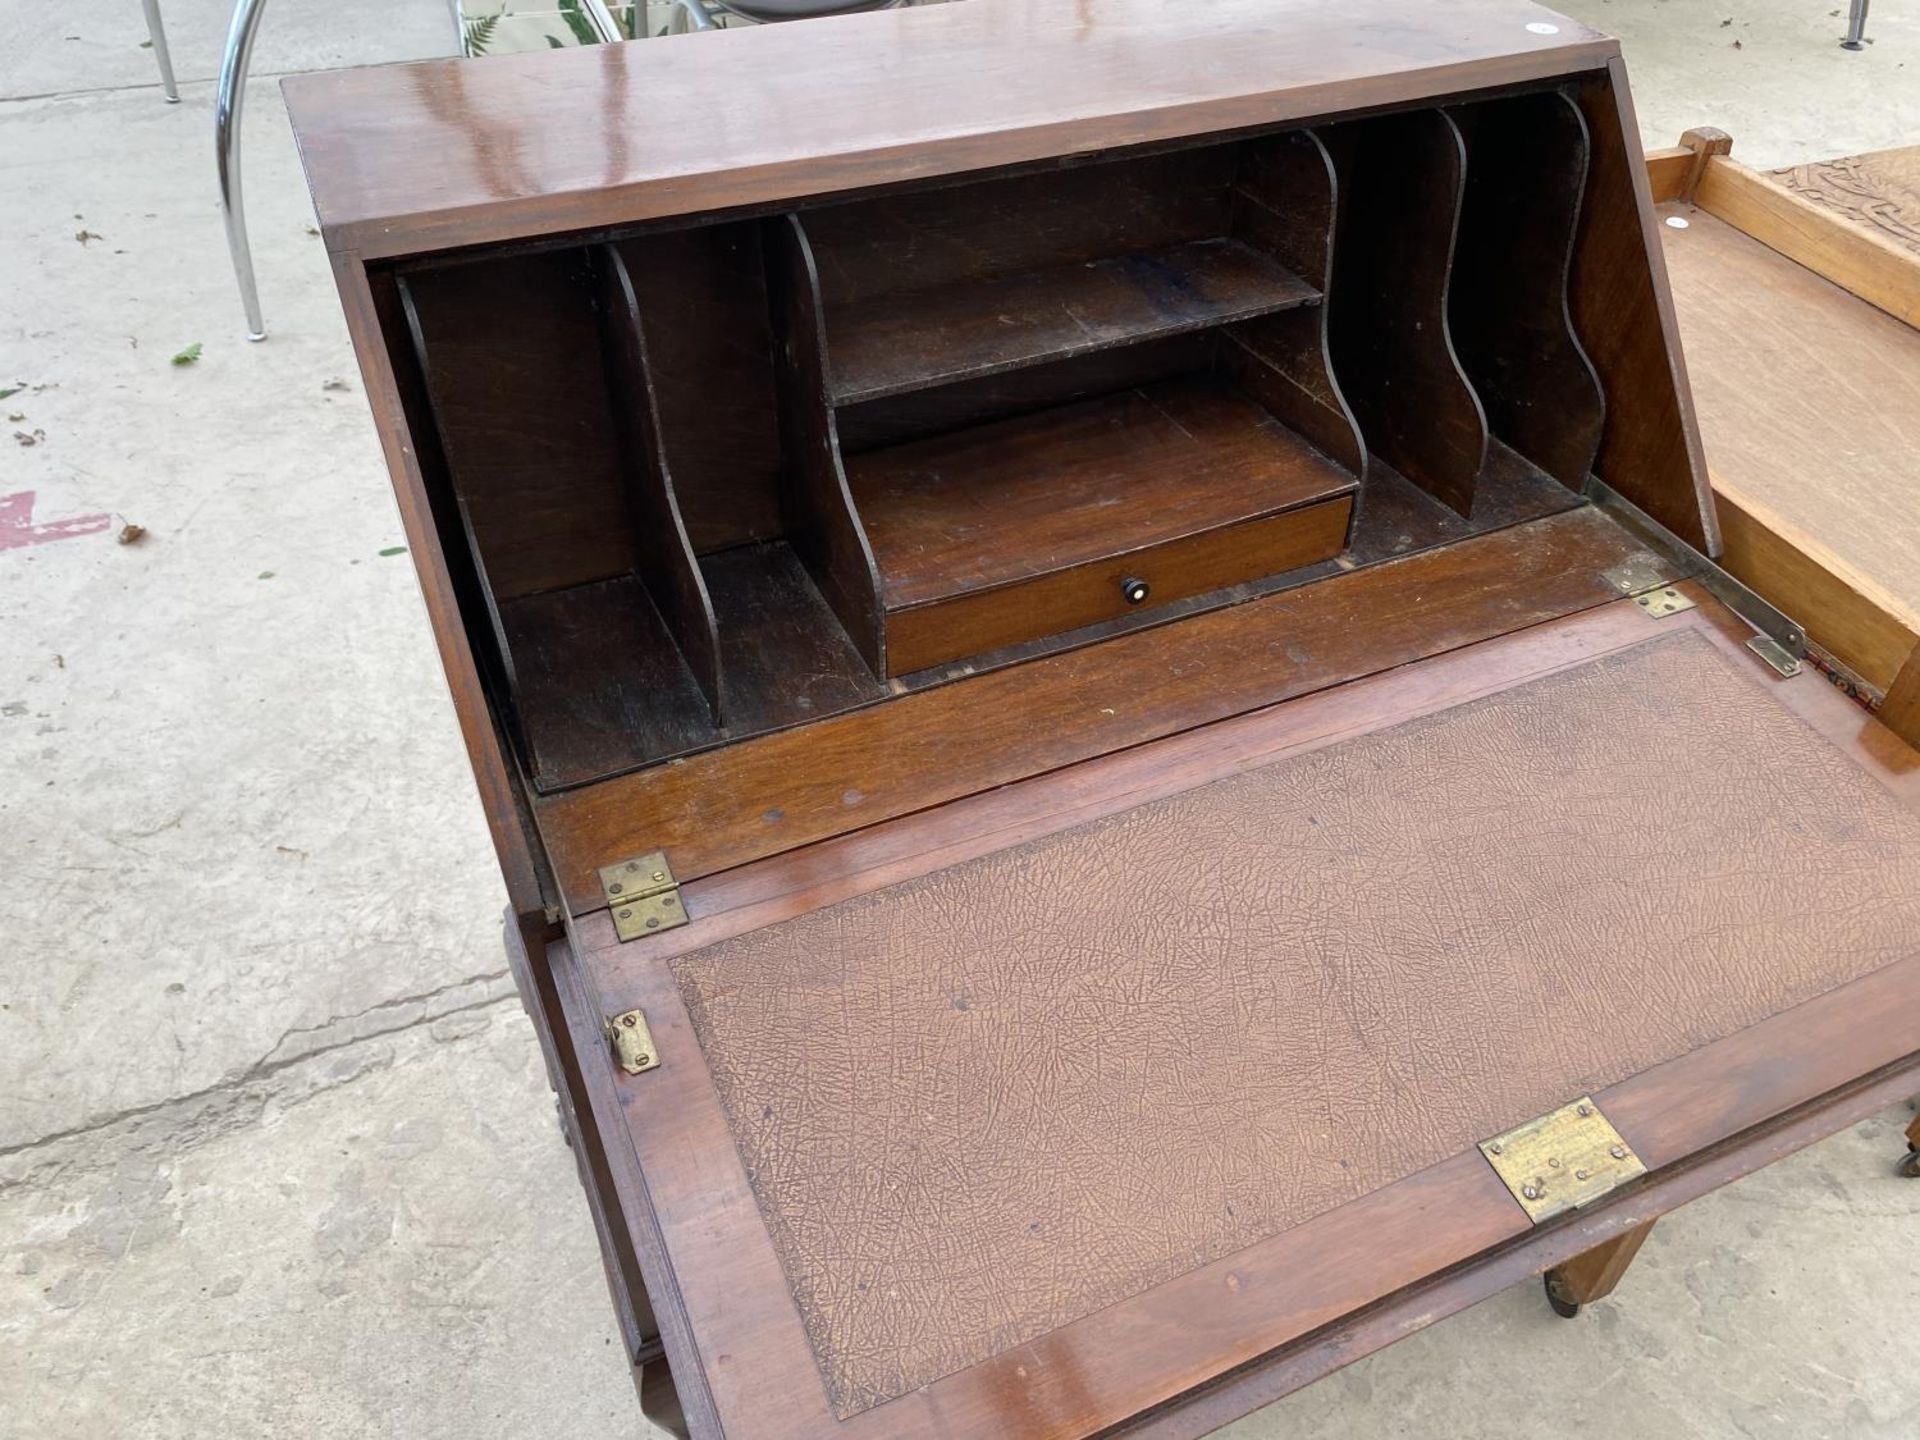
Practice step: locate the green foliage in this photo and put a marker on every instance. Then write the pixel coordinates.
(480, 33)
(572, 12)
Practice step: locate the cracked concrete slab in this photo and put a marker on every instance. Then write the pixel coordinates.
(385, 1240)
(236, 803)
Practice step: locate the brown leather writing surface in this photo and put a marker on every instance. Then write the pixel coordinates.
(978, 1105)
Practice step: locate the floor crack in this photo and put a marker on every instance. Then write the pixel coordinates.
(274, 1062)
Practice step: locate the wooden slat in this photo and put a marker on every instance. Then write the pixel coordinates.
(912, 340)
(1877, 270)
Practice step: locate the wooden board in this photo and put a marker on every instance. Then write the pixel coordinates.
(1742, 1065)
(910, 341)
(1810, 410)
(1863, 261)
(409, 158)
(1002, 503)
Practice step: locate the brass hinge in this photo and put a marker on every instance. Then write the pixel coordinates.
(1565, 1159)
(1663, 602)
(643, 895)
(633, 1049)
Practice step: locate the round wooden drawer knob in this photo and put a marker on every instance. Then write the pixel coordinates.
(1135, 590)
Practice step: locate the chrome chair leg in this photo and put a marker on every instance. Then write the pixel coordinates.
(605, 28)
(690, 15)
(157, 37)
(1856, 27)
(227, 101)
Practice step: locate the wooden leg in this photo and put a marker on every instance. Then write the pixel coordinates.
(1593, 1275)
(1900, 712)
(1910, 1167)
(659, 1401)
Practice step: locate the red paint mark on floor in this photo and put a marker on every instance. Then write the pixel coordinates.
(17, 529)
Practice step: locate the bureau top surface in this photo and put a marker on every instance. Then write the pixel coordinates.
(412, 158)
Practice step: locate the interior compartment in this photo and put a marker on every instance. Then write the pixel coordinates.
(719, 480)
(1035, 503)
(1399, 184)
(1507, 302)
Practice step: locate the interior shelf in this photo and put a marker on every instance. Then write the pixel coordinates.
(901, 342)
(1033, 525)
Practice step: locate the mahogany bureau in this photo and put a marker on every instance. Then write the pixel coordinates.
(1088, 635)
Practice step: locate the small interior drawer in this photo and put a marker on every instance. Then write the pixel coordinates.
(972, 624)
(1039, 525)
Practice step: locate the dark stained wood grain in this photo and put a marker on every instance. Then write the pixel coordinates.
(377, 320)
(601, 685)
(703, 295)
(822, 524)
(916, 339)
(787, 659)
(511, 352)
(1287, 206)
(665, 559)
(412, 158)
(1399, 181)
(1004, 226)
(1507, 305)
(920, 413)
(1207, 561)
(1002, 503)
(933, 745)
(1398, 518)
(1623, 314)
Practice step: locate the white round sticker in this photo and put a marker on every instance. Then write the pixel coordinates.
(1541, 27)
(1676, 222)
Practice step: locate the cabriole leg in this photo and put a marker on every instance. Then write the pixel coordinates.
(1593, 1275)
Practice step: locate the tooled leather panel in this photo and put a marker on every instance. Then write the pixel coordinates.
(978, 1105)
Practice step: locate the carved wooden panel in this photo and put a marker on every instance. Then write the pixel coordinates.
(1878, 192)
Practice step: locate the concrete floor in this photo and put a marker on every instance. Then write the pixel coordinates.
(276, 1152)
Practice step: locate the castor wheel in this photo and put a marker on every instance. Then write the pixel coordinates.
(1565, 1308)
(1910, 1167)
